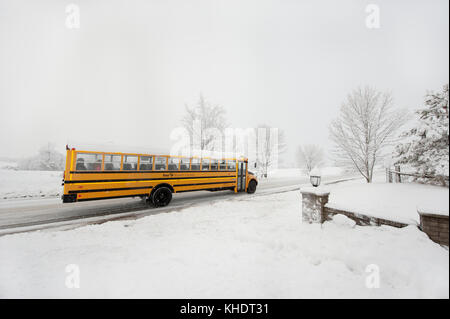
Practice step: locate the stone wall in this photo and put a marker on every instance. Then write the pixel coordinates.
(360, 219)
(435, 226)
(316, 209)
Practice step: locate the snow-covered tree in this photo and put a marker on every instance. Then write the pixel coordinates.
(365, 128)
(47, 159)
(309, 156)
(425, 147)
(270, 144)
(205, 124)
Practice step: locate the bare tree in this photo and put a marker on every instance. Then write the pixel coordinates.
(365, 127)
(204, 122)
(270, 144)
(310, 156)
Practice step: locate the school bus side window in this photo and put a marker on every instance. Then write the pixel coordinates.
(195, 164)
(112, 162)
(146, 163)
(223, 165)
(214, 165)
(205, 164)
(173, 163)
(231, 165)
(130, 162)
(88, 161)
(184, 164)
(160, 163)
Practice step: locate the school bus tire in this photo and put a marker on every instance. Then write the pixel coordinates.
(251, 188)
(161, 196)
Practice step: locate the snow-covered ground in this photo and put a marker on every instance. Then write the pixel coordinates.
(397, 202)
(247, 247)
(27, 184)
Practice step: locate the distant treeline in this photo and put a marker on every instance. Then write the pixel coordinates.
(47, 159)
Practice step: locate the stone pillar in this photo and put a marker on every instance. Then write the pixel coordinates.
(313, 202)
(435, 225)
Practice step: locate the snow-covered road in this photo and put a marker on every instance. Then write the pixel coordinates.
(31, 214)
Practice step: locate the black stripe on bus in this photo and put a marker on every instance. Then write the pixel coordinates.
(147, 172)
(181, 185)
(207, 189)
(142, 179)
(144, 187)
(134, 195)
(109, 197)
(107, 189)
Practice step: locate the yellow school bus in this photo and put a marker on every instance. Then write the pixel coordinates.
(93, 175)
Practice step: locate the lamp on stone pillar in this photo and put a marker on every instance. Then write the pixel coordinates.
(315, 180)
(314, 177)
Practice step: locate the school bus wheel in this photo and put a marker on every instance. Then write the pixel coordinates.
(161, 197)
(251, 187)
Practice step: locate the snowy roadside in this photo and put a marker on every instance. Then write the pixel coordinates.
(15, 184)
(248, 247)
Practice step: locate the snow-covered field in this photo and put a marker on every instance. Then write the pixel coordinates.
(247, 247)
(397, 202)
(28, 184)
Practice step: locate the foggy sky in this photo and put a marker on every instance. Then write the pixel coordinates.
(126, 74)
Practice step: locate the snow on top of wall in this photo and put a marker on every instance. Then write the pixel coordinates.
(319, 191)
(396, 202)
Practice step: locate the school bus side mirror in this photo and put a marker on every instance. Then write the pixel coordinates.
(255, 164)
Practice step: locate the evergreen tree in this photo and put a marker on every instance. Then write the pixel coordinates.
(426, 146)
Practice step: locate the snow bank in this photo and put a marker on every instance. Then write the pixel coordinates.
(248, 247)
(24, 184)
(8, 165)
(343, 221)
(397, 202)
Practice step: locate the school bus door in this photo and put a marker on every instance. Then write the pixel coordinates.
(242, 174)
